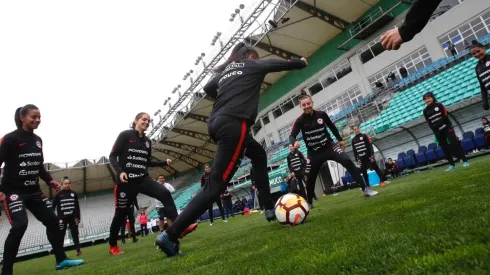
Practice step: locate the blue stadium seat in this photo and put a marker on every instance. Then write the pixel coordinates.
(421, 158)
(430, 154)
(347, 178)
(400, 162)
(440, 154)
(467, 142)
(479, 139)
(410, 159)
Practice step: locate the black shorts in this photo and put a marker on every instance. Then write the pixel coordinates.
(161, 213)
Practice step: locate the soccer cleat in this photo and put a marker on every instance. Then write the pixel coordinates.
(115, 250)
(188, 230)
(79, 252)
(270, 215)
(166, 245)
(210, 224)
(69, 263)
(383, 183)
(466, 164)
(225, 220)
(368, 192)
(451, 168)
(310, 206)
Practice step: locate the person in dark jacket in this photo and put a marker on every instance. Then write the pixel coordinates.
(204, 180)
(437, 117)
(482, 70)
(486, 129)
(392, 168)
(235, 89)
(297, 165)
(362, 146)
(416, 19)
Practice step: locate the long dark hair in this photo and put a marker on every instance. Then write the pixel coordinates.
(239, 52)
(476, 44)
(138, 116)
(22, 111)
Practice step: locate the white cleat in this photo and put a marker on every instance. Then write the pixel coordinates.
(210, 224)
(368, 192)
(225, 220)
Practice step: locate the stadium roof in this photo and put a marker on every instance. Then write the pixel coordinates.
(277, 29)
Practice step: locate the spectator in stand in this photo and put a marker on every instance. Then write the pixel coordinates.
(451, 48)
(143, 224)
(486, 129)
(227, 203)
(392, 168)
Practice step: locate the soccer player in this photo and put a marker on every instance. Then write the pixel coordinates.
(437, 117)
(482, 69)
(417, 18)
(486, 129)
(320, 145)
(236, 89)
(22, 153)
(67, 208)
(297, 164)
(364, 154)
(130, 157)
(159, 205)
(204, 180)
(129, 224)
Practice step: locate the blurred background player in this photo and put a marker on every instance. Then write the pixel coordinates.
(67, 208)
(129, 224)
(392, 168)
(20, 190)
(143, 224)
(204, 180)
(159, 205)
(436, 115)
(482, 70)
(486, 129)
(362, 145)
(320, 145)
(226, 197)
(297, 164)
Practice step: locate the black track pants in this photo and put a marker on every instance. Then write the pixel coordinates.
(221, 211)
(370, 162)
(15, 206)
(454, 147)
(300, 176)
(69, 222)
(316, 160)
(233, 140)
(130, 217)
(124, 195)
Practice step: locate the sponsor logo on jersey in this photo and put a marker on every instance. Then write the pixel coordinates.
(30, 182)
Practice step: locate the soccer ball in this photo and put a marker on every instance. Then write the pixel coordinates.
(291, 209)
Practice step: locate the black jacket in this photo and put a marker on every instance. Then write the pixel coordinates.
(131, 154)
(437, 117)
(237, 89)
(314, 129)
(362, 146)
(22, 154)
(204, 178)
(66, 204)
(417, 18)
(482, 70)
(296, 161)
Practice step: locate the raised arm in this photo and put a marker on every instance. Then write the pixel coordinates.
(153, 162)
(417, 18)
(275, 65)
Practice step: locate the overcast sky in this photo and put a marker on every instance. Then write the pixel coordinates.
(90, 66)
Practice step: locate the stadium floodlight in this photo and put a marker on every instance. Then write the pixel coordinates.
(200, 59)
(237, 12)
(216, 38)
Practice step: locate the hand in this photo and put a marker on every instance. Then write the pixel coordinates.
(169, 161)
(372, 159)
(341, 144)
(55, 185)
(123, 177)
(391, 40)
(305, 60)
(2, 196)
(296, 144)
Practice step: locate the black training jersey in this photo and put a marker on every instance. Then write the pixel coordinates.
(362, 146)
(483, 74)
(314, 129)
(22, 154)
(131, 154)
(417, 18)
(66, 204)
(296, 161)
(437, 117)
(237, 88)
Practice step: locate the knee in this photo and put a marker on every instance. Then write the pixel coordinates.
(19, 228)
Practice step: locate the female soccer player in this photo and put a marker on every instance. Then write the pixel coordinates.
(313, 124)
(437, 117)
(417, 18)
(21, 151)
(236, 89)
(67, 208)
(297, 165)
(131, 157)
(362, 146)
(482, 69)
(204, 180)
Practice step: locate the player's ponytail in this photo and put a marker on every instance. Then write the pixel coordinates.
(22, 111)
(18, 122)
(303, 94)
(239, 52)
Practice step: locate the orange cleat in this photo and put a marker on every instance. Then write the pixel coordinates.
(115, 250)
(383, 183)
(188, 230)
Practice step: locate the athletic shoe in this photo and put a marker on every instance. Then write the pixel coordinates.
(466, 164)
(115, 250)
(166, 245)
(188, 230)
(69, 263)
(270, 215)
(225, 220)
(451, 168)
(310, 206)
(368, 192)
(383, 183)
(79, 252)
(210, 224)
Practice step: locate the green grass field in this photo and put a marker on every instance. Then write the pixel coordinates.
(429, 222)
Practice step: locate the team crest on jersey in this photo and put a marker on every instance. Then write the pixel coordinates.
(436, 109)
(308, 161)
(122, 194)
(488, 64)
(14, 197)
(320, 121)
(38, 144)
(295, 155)
(361, 138)
(72, 195)
(147, 144)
